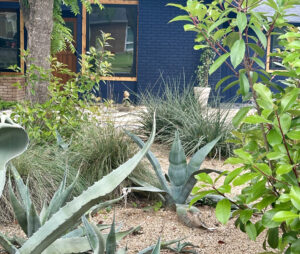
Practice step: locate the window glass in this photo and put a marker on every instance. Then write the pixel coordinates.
(9, 39)
(121, 22)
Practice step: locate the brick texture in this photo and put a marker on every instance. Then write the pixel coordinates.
(10, 92)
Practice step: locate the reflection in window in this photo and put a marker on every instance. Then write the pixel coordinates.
(121, 23)
(9, 39)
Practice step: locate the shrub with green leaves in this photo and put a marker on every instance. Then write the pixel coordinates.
(178, 109)
(64, 111)
(268, 156)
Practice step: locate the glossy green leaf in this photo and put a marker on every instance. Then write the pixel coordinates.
(255, 119)
(241, 21)
(237, 52)
(267, 219)
(181, 18)
(221, 81)
(295, 196)
(273, 237)
(198, 47)
(259, 62)
(232, 175)
(284, 216)
(274, 138)
(260, 35)
(240, 115)
(246, 215)
(257, 49)
(289, 99)
(223, 210)
(251, 230)
(218, 63)
(217, 24)
(263, 167)
(203, 177)
(294, 135)
(244, 178)
(244, 84)
(284, 169)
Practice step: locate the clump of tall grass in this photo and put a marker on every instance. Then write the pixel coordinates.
(95, 151)
(177, 109)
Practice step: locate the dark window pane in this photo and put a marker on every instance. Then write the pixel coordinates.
(121, 23)
(9, 39)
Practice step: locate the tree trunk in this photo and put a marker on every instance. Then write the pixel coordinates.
(38, 19)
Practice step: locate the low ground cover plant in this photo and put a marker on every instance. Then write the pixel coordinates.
(268, 155)
(177, 109)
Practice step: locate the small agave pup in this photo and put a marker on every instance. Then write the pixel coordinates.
(181, 175)
(13, 142)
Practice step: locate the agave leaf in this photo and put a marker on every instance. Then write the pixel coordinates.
(111, 242)
(156, 249)
(13, 142)
(33, 221)
(21, 187)
(7, 245)
(200, 156)
(80, 244)
(94, 236)
(190, 183)
(163, 245)
(103, 205)
(80, 232)
(56, 226)
(154, 162)
(68, 246)
(60, 197)
(43, 213)
(177, 169)
(19, 210)
(144, 186)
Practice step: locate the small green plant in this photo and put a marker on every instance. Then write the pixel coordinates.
(206, 60)
(7, 104)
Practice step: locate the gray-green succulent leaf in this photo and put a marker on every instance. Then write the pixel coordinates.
(13, 142)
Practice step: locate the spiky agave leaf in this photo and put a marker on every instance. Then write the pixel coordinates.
(7, 245)
(156, 250)
(153, 160)
(25, 211)
(193, 168)
(94, 236)
(13, 142)
(80, 244)
(111, 242)
(72, 211)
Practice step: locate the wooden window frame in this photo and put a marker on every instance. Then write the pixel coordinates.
(22, 64)
(84, 32)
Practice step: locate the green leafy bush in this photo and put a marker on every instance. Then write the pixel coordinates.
(178, 109)
(64, 111)
(7, 104)
(268, 156)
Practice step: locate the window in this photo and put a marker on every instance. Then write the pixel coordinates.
(120, 20)
(9, 39)
(273, 47)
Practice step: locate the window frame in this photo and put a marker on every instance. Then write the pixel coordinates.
(21, 38)
(84, 34)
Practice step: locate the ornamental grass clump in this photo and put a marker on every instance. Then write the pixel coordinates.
(177, 109)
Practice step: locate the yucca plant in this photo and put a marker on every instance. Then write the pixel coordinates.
(180, 180)
(13, 142)
(46, 231)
